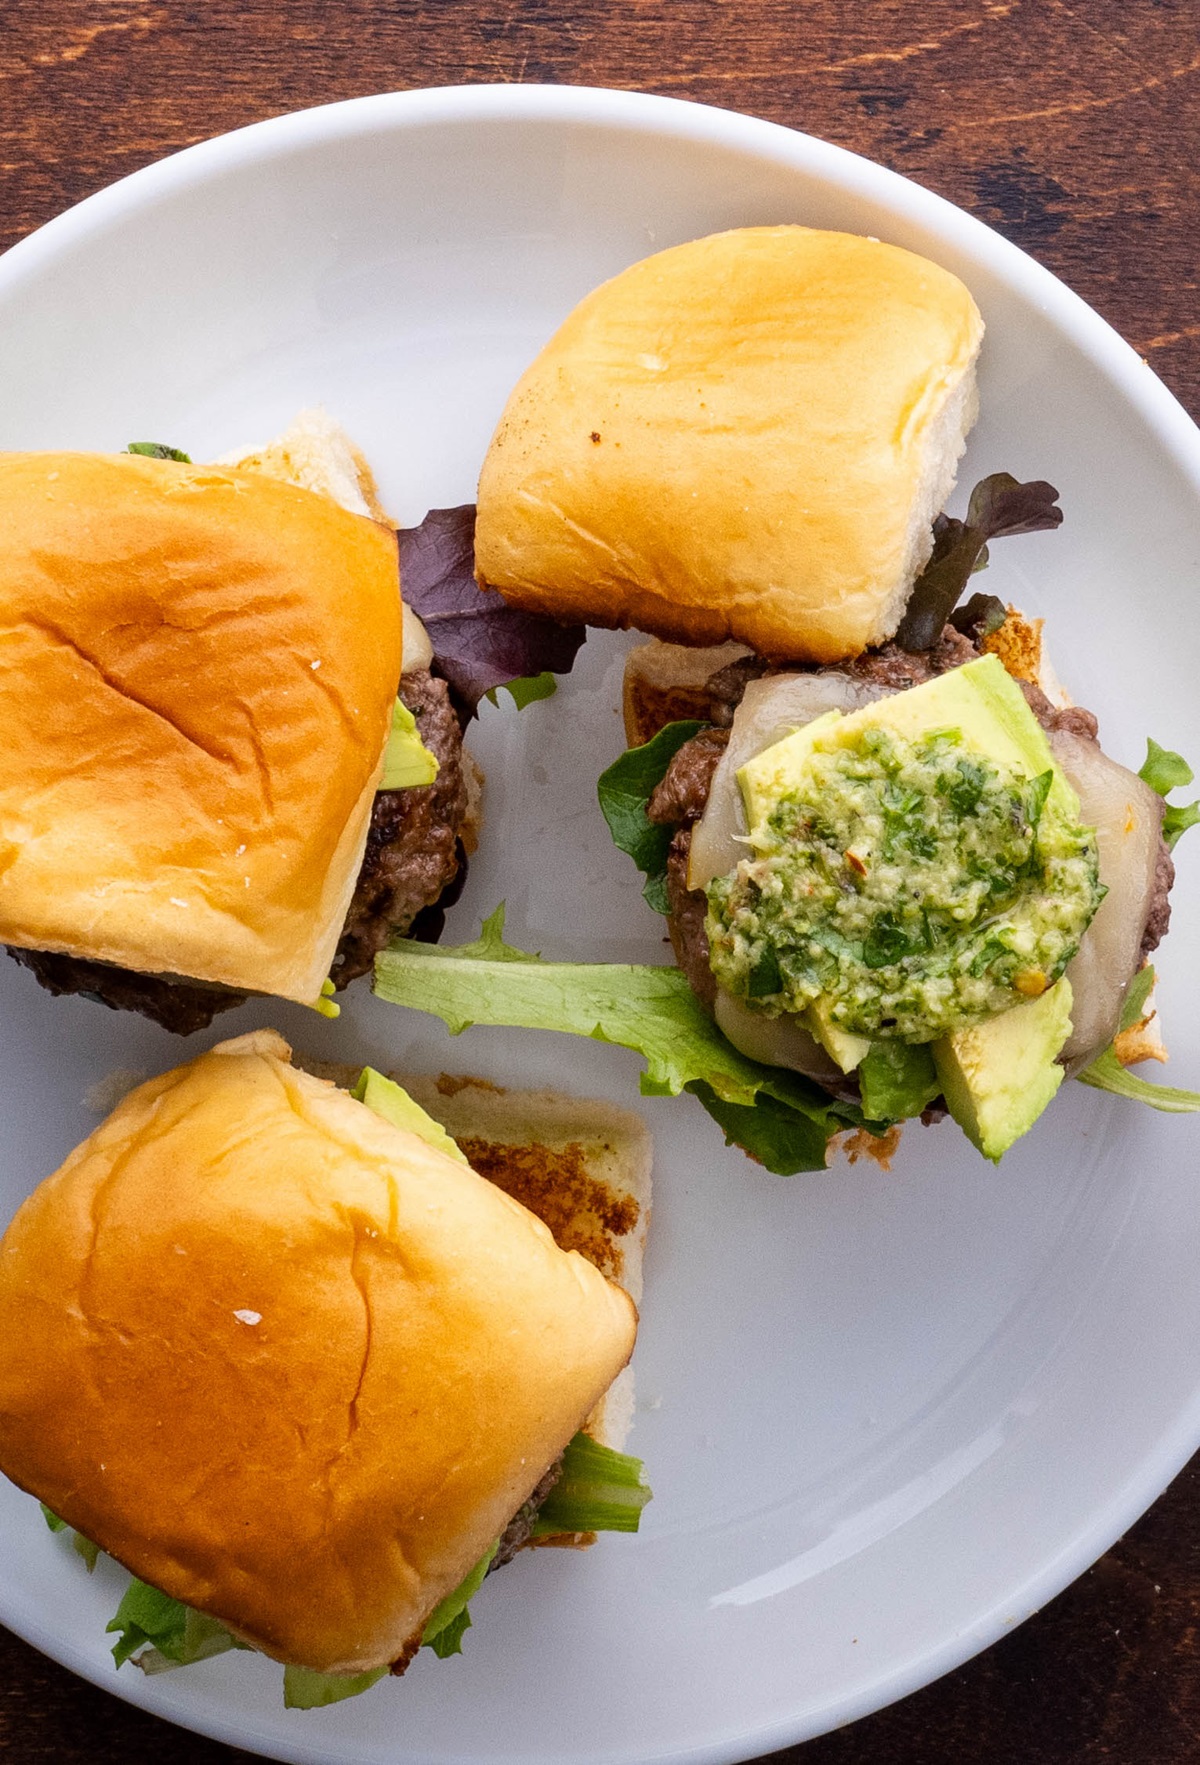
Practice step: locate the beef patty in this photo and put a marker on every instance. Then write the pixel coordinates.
(414, 847)
(519, 1531)
(680, 799)
(413, 857)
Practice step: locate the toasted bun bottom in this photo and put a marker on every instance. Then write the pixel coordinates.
(286, 1361)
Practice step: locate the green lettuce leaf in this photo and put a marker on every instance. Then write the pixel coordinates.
(652, 1011)
(449, 1621)
(82, 1546)
(624, 790)
(1178, 818)
(449, 1639)
(1106, 1072)
(174, 1635)
(158, 450)
(898, 1080)
(305, 1689)
(165, 1634)
(779, 1138)
(1165, 771)
(1139, 990)
(599, 1490)
(526, 690)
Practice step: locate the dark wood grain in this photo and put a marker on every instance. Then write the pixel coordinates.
(1073, 129)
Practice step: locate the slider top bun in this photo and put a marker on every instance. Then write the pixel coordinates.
(745, 437)
(582, 1165)
(199, 666)
(288, 1362)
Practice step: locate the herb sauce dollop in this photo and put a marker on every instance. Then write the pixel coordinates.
(913, 883)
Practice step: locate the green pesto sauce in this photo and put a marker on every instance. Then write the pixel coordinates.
(915, 883)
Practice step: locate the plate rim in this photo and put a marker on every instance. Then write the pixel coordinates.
(618, 109)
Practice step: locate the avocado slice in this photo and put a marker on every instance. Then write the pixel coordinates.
(771, 774)
(980, 700)
(998, 1076)
(406, 759)
(394, 1104)
(841, 1045)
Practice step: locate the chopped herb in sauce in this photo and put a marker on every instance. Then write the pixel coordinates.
(914, 883)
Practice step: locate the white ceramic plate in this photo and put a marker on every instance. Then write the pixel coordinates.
(886, 1416)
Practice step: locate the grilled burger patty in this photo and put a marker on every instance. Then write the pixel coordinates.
(414, 846)
(680, 799)
(413, 855)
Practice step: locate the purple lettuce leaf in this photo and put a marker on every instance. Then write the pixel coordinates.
(999, 506)
(479, 641)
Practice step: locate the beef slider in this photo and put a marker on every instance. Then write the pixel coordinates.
(414, 854)
(287, 1193)
(415, 840)
(680, 799)
(201, 666)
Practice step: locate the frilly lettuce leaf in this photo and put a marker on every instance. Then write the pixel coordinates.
(1165, 771)
(1000, 505)
(160, 1633)
(1106, 1072)
(598, 1490)
(528, 690)
(306, 1689)
(170, 1633)
(158, 450)
(479, 641)
(652, 1011)
(82, 1546)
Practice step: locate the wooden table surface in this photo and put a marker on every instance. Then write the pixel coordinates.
(1072, 128)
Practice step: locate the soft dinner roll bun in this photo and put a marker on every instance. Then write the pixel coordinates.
(286, 1361)
(582, 1165)
(744, 437)
(199, 666)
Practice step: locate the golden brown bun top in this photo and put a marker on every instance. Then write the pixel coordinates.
(745, 437)
(286, 1361)
(199, 666)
